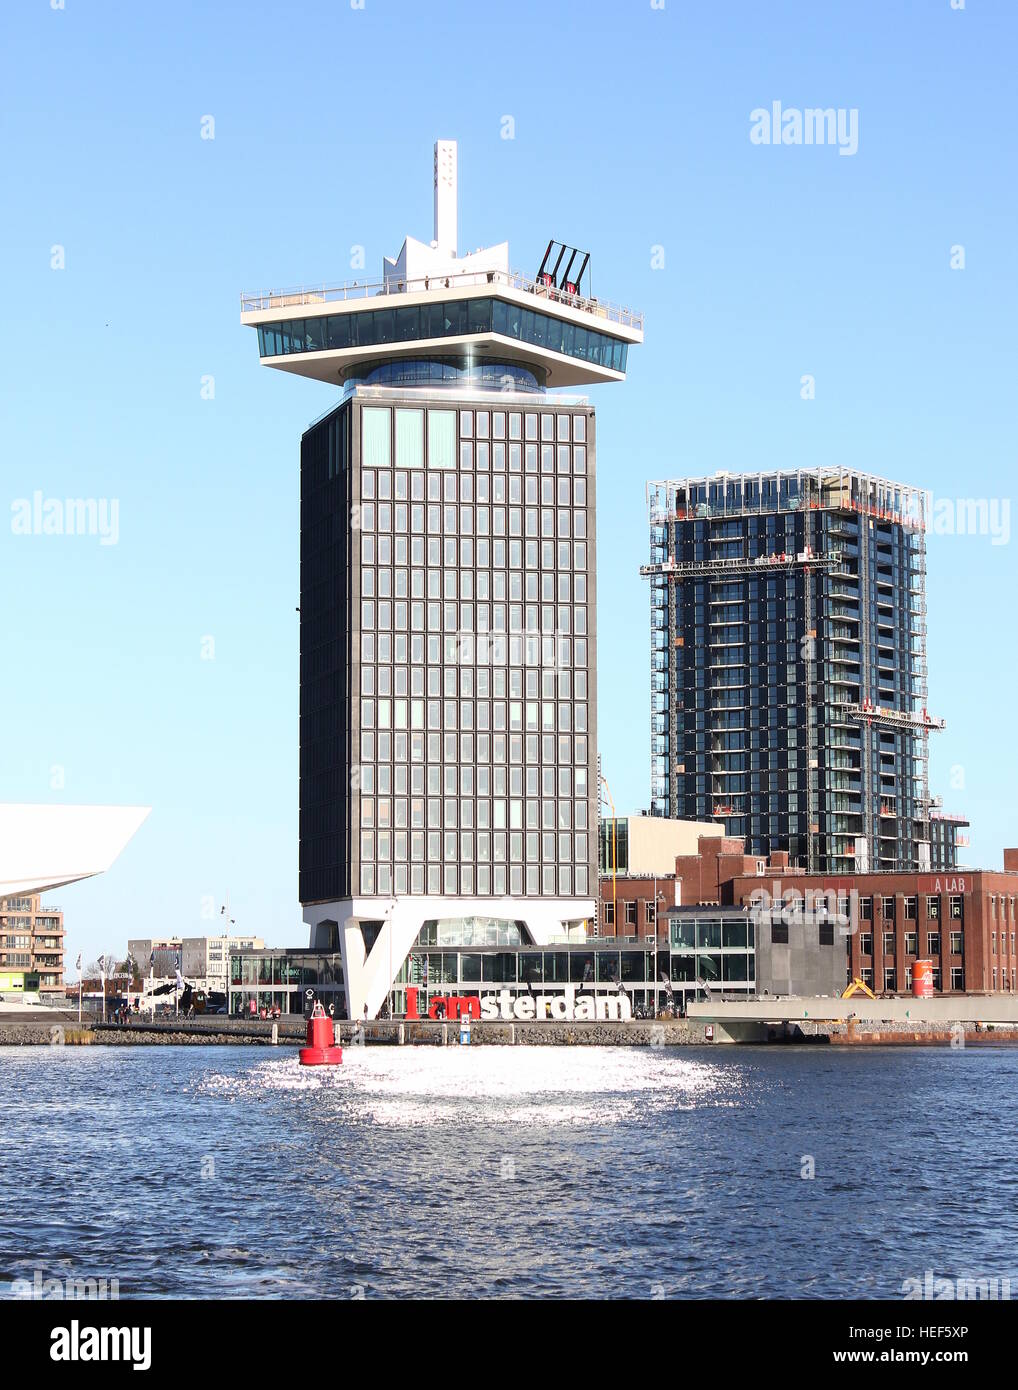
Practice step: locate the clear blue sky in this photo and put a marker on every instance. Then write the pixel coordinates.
(631, 131)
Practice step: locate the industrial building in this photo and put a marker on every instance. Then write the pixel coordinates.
(964, 922)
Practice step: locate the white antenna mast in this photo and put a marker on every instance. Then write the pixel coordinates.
(445, 196)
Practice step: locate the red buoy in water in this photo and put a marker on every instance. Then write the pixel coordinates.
(321, 1049)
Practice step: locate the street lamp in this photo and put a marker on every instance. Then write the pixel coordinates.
(658, 898)
(224, 911)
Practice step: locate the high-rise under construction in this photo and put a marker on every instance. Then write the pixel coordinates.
(789, 677)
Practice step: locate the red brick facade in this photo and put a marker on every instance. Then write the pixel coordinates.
(965, 922)
(627, 904)
(698, 878)
(705, 876)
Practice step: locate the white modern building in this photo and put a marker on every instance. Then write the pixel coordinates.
(44, 847)
(206, 959)
(41, 848)
(448, 728)
(203, 961)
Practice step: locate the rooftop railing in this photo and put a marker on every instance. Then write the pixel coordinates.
(513, 279)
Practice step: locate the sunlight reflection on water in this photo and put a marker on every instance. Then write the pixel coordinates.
(550, 1085)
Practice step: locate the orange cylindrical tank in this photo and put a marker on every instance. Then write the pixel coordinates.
(320, 1039)
(922, 979)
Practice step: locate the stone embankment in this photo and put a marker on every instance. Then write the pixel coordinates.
(290, 1032)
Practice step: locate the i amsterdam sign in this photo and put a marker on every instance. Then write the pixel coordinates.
(565, 1007)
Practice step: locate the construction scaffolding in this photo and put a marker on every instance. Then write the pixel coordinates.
(861, 667)
(729, 569)
(733, 494)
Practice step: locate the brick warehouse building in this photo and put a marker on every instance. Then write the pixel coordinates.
(633, 903)
(965, 921)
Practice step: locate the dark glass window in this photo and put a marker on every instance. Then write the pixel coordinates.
(479, 316)
(377, 326)
(709, 967)
(499, 968)
(683, 967)
(556, 967)
(635, 966)
(607, 965)
(581, 966)
(734, 934)
(708, 934)
(736, 967)
(470, 967)
(530, 967)
(683, 935)
(408, 323)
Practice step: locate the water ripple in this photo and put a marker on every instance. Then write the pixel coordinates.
(507, 1172)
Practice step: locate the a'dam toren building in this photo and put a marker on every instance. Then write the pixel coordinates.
(448, 705)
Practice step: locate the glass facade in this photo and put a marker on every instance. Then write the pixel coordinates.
(647, 976)
(613, 845)
(446, 372)
(761, 654)
(447, 602)
(327, 551)
(455, 319)
(270, 979)
(717, 950)
(471, 931)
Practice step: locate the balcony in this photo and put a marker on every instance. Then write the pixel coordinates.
(512, 279)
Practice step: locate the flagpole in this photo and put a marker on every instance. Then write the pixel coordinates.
(79, 989)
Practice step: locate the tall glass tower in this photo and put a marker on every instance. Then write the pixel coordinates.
(448, 697)
(789, 678)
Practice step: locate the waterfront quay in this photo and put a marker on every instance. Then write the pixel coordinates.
(801, 1021)
(289, 1031)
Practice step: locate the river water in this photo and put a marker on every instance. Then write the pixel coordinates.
(508, 1172)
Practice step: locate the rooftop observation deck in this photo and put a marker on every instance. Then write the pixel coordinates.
(313, 297)
(339, 333)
